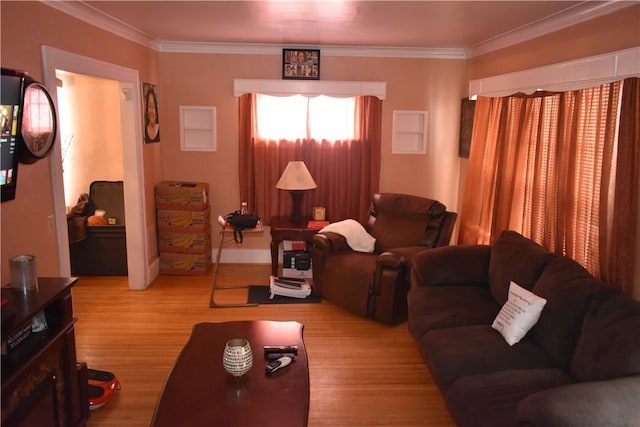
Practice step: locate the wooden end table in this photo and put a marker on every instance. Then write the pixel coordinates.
(282, 228)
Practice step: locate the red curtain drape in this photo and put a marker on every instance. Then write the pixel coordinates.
(619, 257)
(558, 169)
(347, 172)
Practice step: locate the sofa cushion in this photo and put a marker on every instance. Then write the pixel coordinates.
(597, 403)
(492, 399)
(568, 288)
(609, 344)
(452, 353)
(452, 265)
(518, 315)
(514, 257)
(432, 307)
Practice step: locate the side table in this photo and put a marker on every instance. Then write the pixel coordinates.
(282, 228)
(227, 236)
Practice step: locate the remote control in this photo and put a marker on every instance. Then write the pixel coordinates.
(274, 356)
(281, 349)
(277, 364)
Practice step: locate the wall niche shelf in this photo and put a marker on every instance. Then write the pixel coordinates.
(409, 132)
(197, 128)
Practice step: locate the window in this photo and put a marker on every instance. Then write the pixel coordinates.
(337, 138)
(299, 117)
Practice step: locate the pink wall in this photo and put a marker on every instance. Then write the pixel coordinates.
(412, 84)
(191, 79)
(24, 221)
(616, 31)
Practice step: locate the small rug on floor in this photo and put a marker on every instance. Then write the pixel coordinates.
(260, 295)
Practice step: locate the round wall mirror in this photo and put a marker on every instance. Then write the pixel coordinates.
(39, 123)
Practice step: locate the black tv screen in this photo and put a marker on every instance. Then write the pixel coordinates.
(11, 100)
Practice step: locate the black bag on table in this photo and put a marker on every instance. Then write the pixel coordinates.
(240, 221)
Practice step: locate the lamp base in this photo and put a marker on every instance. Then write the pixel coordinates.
(296, 199)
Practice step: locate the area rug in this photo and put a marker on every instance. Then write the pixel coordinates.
(260, 295)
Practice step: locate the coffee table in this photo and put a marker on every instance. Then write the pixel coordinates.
(199, 392)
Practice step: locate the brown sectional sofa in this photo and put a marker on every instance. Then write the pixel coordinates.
(578, 366)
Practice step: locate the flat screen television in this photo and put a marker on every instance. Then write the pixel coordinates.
(10, 117)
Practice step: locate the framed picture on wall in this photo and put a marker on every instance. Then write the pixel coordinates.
(301, 64)
(150, 113)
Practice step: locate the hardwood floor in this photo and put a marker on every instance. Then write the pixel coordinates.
(362, 373)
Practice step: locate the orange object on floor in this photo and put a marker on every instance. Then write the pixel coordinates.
(102, 385)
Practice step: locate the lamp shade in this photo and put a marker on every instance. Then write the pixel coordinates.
(296, 176)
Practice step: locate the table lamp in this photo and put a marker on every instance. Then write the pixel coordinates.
(296, 179)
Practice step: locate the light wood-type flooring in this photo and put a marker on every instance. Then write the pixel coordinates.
(362, 373)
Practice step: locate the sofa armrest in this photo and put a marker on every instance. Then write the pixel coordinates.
(597, 403)
(324, 245)
(330, 242)
(466, 265)
(391, 284)
(390, 289)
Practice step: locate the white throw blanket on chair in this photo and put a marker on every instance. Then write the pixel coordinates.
(357, 237)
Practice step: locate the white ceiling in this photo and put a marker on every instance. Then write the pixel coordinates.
(472, 27)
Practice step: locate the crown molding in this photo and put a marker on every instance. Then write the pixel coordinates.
(97, 18)
(579, 13)
(276, 49)
(565, 76)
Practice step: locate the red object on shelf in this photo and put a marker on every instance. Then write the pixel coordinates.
(317, 224)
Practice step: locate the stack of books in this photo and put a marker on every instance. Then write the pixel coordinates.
(289, 287)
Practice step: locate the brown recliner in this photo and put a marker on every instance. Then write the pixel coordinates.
(375, 285)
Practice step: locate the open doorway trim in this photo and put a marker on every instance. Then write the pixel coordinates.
(137, 249)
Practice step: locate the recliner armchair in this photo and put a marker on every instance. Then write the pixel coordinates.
(375, 285)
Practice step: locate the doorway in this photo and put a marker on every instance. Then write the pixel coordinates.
(128, 80)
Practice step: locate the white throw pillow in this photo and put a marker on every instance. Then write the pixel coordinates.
(519, 314)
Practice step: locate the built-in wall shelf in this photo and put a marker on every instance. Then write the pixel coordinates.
(409, 132)
(197, 128)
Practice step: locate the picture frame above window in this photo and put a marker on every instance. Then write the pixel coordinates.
(301, 64)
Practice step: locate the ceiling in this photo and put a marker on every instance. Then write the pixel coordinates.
(466, 25)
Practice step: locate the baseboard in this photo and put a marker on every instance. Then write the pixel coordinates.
(244, 256)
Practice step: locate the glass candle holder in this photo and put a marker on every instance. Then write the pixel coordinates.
(23, 273)
(237, 358)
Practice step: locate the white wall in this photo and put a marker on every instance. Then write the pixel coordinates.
(91, 136)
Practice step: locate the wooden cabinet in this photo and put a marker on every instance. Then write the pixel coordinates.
(42, 383)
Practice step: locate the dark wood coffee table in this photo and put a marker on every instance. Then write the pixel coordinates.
(199, 392)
